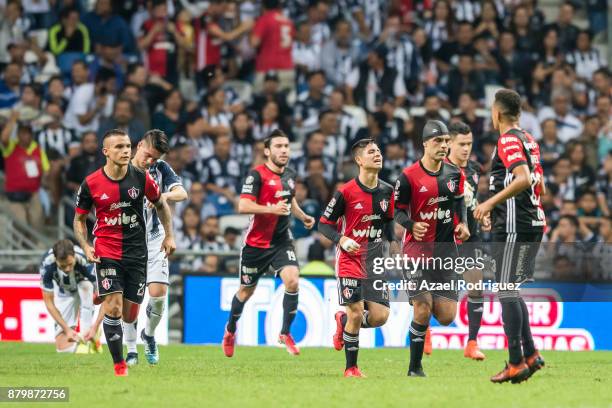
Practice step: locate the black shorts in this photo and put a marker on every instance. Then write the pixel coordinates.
(514, 256)
(472, 248)
(440, 283)
(127, 276)
(254, 262)
(353, 290)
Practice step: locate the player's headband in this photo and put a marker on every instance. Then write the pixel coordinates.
(434, 128)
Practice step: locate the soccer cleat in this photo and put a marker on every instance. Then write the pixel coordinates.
(150, 348)
(534, 362)
(515, 373)
(427, 348)
(95, 346)
(354, 372)
(289, 343)
(82, 348)
(131, 359)
(472, 351)
(416, 373)
(121, 369)
(337, 338)
(228, 343)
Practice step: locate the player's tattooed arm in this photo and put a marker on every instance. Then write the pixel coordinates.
(176, 194)
(163, 212)
(79, 226)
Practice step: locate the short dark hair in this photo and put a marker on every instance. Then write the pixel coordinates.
(458, 128)
(571, 218)
(114, 132)
(63, 248)
(275, 133)
(271, 4)
(509, 102)
(358, 146)
(158, 139)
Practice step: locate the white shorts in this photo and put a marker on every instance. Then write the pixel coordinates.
(157, 265)
(68, 307)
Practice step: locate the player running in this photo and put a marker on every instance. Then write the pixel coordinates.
(67, 283)
(518, 222)
(460, 149)
(268, 195)
(363, 208)
(116, 192)
(428, 197)
(151, 148)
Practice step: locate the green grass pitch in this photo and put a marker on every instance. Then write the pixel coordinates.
(201, 376)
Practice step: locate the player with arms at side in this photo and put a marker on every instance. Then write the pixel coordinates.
(428, 197)
(459, 155)
(518, 225)
(67, 281)
(149, 151)
(363, 208)
(268, 194)
(116, 192)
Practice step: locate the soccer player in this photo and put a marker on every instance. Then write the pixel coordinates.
(428, 197)
(116, 192)
(364, 209)
(149, 151)
(268, 194)
(518, 223)
(67, 282)
(459, 155)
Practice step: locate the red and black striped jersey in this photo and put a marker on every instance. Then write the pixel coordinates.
(430, 198)
(472, 173)
(362, 214)
(266, 187)
(120, 230)
(523, 212)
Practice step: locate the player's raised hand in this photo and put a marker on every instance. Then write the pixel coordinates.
(280, 208)
(462, 232)
(90, 254)
(168, 245)
(309, 222)
(419, 229)
(481, 211)
(349, 245)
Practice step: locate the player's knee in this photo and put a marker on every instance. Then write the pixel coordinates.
(292, 284)
(130, 314)
(379, 318)
(445, 319)
(422, 312)
(158, 290)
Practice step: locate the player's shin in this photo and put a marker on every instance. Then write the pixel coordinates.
(130, 335)
(155, 310)
(474, 309)
(527, 340)
(114, 337)
(290, 306)
(512, 315)
(417, 344)
(235, 313)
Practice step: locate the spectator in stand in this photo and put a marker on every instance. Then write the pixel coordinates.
(340, 54)
(242, 146)
(188, 235)
(306, 53)
(547, 59)
(310, 103)
(488, 24)
(69, 35)
(603, 107)
(159, 40)
(123, 118)
(106, 27)
(222, 175)
(439, 28)
(60, 145)
(272, 37)
(56, 93)
(448, 54)
(133, 92)
(231, 237)
(271, 92)
(269, 120)
(568, 125)
(592, 127)
(83, 164)
(210, 236)
(525, 39)
(370, 83)
(347, 122)
(567, 31)
(13, 27)
(88, 102)
(171, 115)
(583, 176)
(551, 148)
(584, 58)
(514, 66)
(604, 186)
(314, 148)
(191, 133)
(25, 164)
(308, 205)
(217, 120)
(9, 86)
(464, 78)
(108, 56)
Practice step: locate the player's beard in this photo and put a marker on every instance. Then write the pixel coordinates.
(277, 162)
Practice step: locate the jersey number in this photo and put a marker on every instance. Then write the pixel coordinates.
(285, 31)
(291, 255)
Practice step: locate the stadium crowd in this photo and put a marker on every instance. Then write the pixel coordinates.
(217, 76)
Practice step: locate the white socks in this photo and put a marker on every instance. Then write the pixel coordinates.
(155, 310)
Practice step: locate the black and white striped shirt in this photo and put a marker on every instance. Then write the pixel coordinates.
(437, 33)
(58, 140)
(585, 63)
(467, 10)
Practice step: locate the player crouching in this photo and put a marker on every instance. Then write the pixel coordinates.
(67, 283)
(364, 208)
